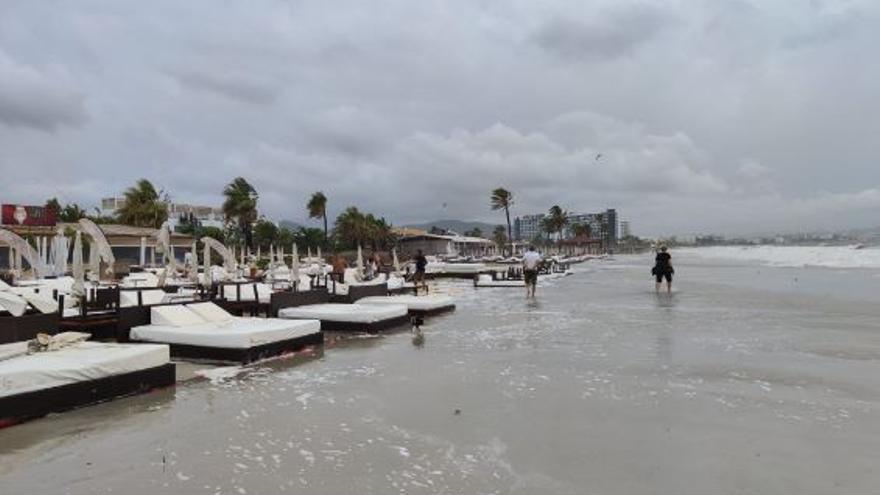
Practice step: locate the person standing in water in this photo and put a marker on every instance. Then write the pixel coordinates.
(530, 262)
(419, 277)
(663, 269)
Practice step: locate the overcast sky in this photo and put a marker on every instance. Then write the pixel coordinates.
(724, 116)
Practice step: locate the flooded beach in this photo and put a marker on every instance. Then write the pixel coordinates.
(747, 379)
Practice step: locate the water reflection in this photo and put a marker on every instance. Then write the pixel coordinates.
(664, 300)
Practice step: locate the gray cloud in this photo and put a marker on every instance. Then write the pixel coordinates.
(37, 99)
(239, 87)
(709, 116)
(609, 34)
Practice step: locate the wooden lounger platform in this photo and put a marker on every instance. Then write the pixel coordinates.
(244, 356)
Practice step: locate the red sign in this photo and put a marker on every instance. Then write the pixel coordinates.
(36, 216)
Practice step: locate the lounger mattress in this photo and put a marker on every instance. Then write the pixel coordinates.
(346, 313)
(430, 302)
(240, 333)
(81, 362)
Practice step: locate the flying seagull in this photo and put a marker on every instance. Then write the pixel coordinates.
(598, 155)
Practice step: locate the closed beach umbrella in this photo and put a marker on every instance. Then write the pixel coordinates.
(360, 261)
(194, 263)
(206, 260)
(259, 252)
(51, 254)
(319, 253)
(309, 257)
(396, 261)
(272, 262)
(172, 260)
(63, 253)
(94, 263)
(294, 265)
(79, 288)
(143, 257)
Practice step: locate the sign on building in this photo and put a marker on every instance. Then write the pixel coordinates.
(35, 216)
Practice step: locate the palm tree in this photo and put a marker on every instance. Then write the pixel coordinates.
(317, 207)
(143, 207)
(556, 220)
(499, 236)
(240, 206)
(581, 230)
(502, 199)
(351, 227)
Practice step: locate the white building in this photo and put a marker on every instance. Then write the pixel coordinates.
(178, 213)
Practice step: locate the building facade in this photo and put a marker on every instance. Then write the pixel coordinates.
(625, 229)
(206, 216)
(603, 226)
(527, 227)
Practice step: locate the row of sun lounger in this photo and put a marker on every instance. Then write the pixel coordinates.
(155, 327)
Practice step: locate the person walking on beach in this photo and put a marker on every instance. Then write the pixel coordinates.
(339, 266)
(530, 262)
(419, 276)
(663, 269)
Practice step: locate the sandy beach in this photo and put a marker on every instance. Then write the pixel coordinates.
(749, 379)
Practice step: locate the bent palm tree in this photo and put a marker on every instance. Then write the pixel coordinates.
(143, 206)
(502, 199)
(240, 206)
(317, 207)
(557, 218)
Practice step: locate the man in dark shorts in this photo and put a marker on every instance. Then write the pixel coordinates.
(531, 259)
(419, 276)
(663, 269)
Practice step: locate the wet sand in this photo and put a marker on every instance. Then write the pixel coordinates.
(747, 380)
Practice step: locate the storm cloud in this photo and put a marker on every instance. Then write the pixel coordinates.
(687, 116)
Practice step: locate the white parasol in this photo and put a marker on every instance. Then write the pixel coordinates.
(360, 262)
(78, 289)
(396, 262)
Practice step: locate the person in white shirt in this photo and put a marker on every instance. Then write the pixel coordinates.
(530, 261)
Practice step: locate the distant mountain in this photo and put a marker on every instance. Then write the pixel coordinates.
(459, 226)
(289, 224)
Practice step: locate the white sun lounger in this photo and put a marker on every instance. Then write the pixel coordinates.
(206, 332)
(350, 317)
(81, 374)
(417, 305)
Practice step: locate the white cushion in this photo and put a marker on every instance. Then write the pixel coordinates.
(16, 305)
(78, 363)
(129, 298)
(345, 313)
(239, 333)
(42, 302)
(211, 312)
(175, 315)
(414, 303)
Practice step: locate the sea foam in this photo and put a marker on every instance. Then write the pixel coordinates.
(792, 256)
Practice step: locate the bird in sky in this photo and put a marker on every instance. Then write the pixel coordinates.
(598, 155)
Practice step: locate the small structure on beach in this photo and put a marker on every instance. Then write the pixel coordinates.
(436, 244)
